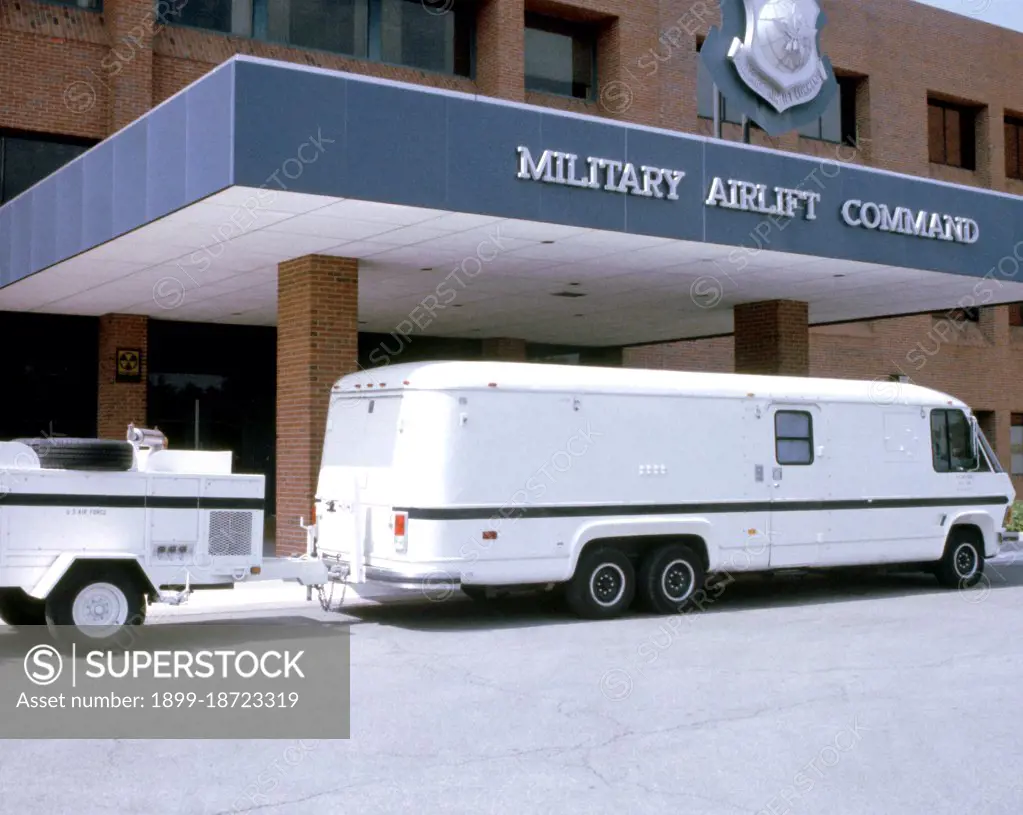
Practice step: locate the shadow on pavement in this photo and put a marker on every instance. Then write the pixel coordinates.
(744, 593)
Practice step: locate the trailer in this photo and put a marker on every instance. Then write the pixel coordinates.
(618, 485)
(93, 532)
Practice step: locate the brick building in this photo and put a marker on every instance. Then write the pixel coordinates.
(122, 249)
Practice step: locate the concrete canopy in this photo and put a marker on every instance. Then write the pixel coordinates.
(186, 213)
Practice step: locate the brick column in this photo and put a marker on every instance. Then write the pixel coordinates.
(772, 337)
(122, 403)
(317, 343)
(128, 67)
(504, 349)
(500, 46)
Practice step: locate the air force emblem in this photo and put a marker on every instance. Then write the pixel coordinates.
(778, 57)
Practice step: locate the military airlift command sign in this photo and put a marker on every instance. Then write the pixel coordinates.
(766, 61)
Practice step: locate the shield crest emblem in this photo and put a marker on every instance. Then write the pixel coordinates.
(778, 57)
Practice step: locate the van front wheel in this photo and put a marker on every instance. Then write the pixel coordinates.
(603, 586)
(962, 565)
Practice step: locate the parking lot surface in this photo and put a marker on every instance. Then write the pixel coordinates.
(875, 694)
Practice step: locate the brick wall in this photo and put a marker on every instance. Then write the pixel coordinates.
(121, 403)
(317, 343)
(771, 337)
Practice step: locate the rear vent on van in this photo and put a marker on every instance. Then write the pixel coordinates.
(230, 534)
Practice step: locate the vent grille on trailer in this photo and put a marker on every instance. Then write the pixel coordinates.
(230, 534)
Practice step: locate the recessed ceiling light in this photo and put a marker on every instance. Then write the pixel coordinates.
(567, 294)
(457, 305)
(426, 269)
(840, 275)
(575, 284)
(546, 241)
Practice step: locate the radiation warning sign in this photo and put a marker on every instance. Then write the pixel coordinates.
(129, 365)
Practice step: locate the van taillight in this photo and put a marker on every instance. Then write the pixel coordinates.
(399, 522)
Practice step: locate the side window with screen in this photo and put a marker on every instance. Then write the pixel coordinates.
(951, 435)
(793, 437)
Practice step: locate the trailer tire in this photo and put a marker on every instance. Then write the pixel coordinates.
(604, 584)
(103, 455)
(95, 604)
(962, 564)
(18, 609)
(669, 578)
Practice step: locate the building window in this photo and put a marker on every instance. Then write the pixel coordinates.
(340, 26)
(416, 34)
(1016, 444)
(838, 123)
(1014, 147)
(952, 134)
(951, 440)
(705, 94)
(561, 57)
(1016, 314)
(89, 5)
(793, 437)
(27, 158)
(225, 16)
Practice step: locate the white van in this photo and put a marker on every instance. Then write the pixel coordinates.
(622, 484)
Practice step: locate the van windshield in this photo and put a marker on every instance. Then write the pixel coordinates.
(361, 431)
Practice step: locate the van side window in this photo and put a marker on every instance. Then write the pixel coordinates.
(950, 441)
(793, 437)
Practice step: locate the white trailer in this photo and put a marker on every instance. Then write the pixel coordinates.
(94, 531)
(620, 484)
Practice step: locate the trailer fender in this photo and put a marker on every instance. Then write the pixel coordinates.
(983, 521)
(64, 563)
(645, 528)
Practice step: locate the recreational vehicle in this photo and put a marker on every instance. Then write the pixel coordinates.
(623, 486)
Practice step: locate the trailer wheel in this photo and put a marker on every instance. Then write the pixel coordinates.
(669, 578)
(603, 586)
(18, 609)
(96, 605)
(103, 455)
(962, 564)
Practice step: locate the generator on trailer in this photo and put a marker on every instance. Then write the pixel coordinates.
(93, 531)
(621, 484)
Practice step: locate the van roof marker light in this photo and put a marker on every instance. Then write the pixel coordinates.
(406, 382)
(494, 385)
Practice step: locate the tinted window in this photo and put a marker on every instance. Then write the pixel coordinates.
(951, 436)
(793, 433)
(24, 161)
(433, 37)
(560, 57)
(329, 25)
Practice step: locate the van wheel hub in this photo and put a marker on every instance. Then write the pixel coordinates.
(965, 560)
(607, 584)
(677, 580)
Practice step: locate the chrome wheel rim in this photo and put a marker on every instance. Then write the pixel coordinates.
(607, 584)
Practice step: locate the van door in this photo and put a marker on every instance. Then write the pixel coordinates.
(799, 484)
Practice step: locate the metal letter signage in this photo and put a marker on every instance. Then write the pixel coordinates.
(904, 221)
(778, 57)
(555, 167)
(748, 197)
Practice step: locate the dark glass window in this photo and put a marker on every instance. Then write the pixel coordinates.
(341, 26)
(560, 57)
(226, 16)
(705, 94)
(89, 5)
(838, 124)
(952, 134)
(951, 440)
(26, 159)
(793, 437)
(1014, 147)
(429, 36)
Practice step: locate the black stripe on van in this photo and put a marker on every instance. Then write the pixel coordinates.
(516, 511)
(39, 499)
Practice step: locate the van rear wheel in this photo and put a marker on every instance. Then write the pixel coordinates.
(669, 577)
(962, 564)
(603, 586)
